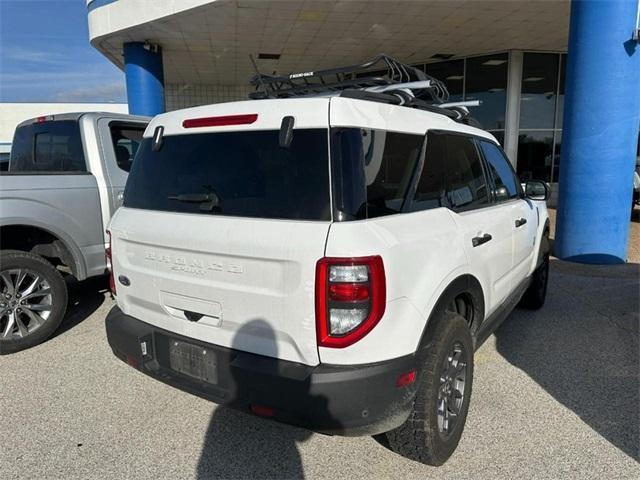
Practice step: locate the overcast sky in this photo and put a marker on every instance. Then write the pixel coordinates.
(45, 55)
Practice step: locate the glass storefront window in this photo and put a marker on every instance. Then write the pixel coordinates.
(452, 74)
(539, 88)
(486, 80)
(535, 155)
(556, 158)
(563, 75)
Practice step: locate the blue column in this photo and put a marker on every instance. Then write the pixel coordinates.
(145, 79)
(600, 131)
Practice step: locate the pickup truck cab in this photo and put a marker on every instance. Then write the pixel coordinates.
(65, 179)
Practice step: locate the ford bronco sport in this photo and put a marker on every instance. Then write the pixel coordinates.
(330, 262)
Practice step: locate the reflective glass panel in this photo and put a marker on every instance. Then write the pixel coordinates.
(452, 74)
(534, 155)
(486, 80)
(539, 87)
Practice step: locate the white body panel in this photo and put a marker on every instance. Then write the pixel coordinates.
(308, 113)
(491, 262)
(416, 270)
(248, 270)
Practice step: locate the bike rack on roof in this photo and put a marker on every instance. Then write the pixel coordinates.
(383, 79)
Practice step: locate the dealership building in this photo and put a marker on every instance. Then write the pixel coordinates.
(558, 81)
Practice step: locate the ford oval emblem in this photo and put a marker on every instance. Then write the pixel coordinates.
(124, 280)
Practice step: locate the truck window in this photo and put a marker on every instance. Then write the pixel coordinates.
(48, 147)
(242, 174)
(4, 162)
(126, 140)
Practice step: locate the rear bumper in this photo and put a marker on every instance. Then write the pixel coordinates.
(332, 399)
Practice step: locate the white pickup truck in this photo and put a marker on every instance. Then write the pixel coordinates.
(66, 178)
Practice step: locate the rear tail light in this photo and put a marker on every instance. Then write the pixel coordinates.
(112, 280)
(350, 299)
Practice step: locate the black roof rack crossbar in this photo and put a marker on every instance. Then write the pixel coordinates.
(382, 70)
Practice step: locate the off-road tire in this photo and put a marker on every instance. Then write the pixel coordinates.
(420, 438)
(14, 259)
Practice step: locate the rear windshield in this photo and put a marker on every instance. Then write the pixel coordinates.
(243, 174)
(51, 147)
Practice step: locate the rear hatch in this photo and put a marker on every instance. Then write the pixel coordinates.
(220, 234)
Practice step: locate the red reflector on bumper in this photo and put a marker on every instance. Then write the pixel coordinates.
(406, 379)
(262, 411)
(133, 362)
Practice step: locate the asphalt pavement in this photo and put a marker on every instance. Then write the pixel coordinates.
(555, 395)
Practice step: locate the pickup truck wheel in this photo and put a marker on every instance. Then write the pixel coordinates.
(432, 432)
(536, 294)
(33, 300)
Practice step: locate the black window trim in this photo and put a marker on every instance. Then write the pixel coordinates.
(409, 195)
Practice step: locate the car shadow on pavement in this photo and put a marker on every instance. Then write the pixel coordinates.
(582, 347)
(239, 445)
(85, 297)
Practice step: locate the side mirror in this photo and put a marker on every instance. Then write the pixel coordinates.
(537, 190)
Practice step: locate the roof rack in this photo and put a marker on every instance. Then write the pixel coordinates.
(383, 79)
(382, 71)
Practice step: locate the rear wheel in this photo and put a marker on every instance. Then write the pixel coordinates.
(33, 300)
(433, 430)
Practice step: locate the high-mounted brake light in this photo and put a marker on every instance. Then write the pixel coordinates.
(350, 299)
(222, 121)
(44, 118)
(108, 254)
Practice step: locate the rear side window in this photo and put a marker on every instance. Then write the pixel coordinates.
(126, 140)
(243, 174)
(465, 182)
(504, 185)
(51, 147)
(389, 162)
(372, 170)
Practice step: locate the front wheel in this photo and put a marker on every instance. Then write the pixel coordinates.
(33, 300)
(434, 427)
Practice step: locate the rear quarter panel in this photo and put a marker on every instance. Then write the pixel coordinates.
(422, 254)
(68, 206)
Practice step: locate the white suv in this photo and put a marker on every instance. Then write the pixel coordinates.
(328, 262)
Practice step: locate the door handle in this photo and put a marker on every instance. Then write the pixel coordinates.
(520, 222)
(477, 241)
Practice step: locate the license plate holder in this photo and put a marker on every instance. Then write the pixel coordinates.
(194, 361)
